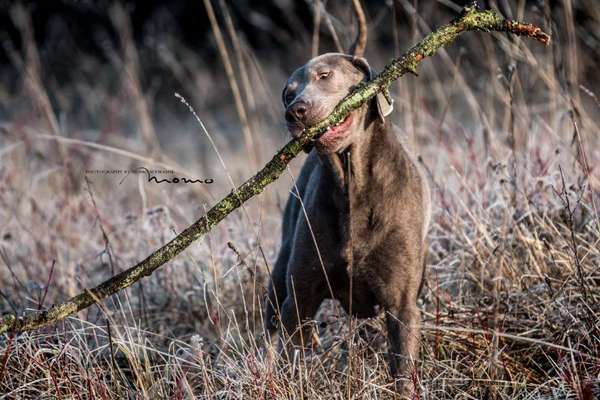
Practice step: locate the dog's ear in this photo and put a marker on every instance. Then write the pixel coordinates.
(362, 64)
(385, 104)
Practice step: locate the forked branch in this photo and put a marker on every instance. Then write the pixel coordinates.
(471, 19)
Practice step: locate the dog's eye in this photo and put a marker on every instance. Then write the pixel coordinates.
(324, 75)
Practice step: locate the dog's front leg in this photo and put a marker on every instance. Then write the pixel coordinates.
(403, 326)
(297, 310)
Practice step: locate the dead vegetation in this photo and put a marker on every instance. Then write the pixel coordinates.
(511, 308)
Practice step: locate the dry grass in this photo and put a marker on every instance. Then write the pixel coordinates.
(511, 308)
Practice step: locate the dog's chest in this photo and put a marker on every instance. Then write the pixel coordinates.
(363, 227)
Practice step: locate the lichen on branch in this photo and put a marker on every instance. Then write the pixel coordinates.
(471, 19)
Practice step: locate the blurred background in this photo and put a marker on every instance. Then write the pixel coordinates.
(506, 128)
(89, 53)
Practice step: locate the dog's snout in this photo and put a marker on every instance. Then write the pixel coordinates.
(296, 111)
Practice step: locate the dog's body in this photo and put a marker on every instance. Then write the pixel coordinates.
(376, 231)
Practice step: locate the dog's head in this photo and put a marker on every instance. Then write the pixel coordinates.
(313, 90)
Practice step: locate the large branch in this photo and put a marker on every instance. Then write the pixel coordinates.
(471, 19)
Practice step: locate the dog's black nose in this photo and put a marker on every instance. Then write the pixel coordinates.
(296, 112)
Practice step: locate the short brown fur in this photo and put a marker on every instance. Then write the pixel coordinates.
(389, 218)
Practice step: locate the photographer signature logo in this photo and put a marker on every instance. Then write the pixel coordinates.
(151, 176)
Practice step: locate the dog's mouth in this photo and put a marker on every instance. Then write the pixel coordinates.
(330, 140)
(340, 127)
(333, 134)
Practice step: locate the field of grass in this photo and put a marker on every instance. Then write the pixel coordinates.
(507, 130)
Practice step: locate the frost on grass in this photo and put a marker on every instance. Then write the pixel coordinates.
(510, 307)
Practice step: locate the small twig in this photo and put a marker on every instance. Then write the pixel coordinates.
(111, 345)
(41, 303)
(583, 162)
(14, 276)
(107, 245)
(350, 261)
(564, 196)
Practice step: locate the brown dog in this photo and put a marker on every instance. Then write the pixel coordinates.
(364, 246)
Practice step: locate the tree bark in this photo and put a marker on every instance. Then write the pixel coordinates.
(471, 19)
